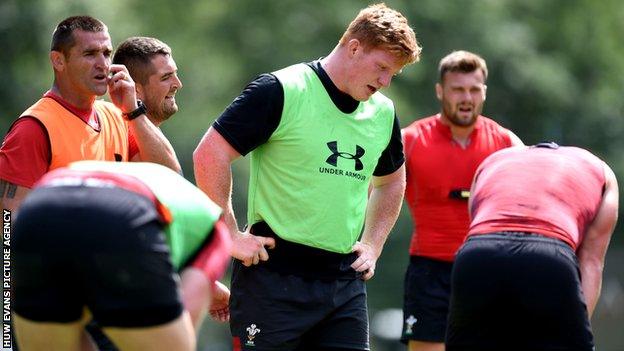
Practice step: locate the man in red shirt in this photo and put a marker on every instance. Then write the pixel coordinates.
(69, 124)
(152, 67)
(529, 275)
(442, 153)
(155, 74)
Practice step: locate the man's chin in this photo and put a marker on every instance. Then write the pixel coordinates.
(167, 114)
(362, 98)
(461, 122)
(99, 92)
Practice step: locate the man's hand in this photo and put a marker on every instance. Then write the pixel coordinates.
(121, 88)
(366, 261)
(251, 249)
(219, 306)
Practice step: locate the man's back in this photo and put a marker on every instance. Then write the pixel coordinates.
(510, 179)
(542, 220)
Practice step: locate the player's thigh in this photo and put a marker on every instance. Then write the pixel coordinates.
(426, 300)
(176, 335)
(35, 336)
(345, 325)
(272, 311)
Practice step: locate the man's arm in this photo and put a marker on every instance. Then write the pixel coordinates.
(152, 144)
(24, 159)
(196, 293)
(11, 195)
(200, 295)
(213, 173)
(382, 212)
(593, 248)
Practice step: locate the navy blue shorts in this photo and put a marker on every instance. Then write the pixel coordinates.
(426, 299)
(517, 291)
(103, 248)
(270, 310)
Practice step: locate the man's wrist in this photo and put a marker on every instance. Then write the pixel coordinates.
(375, 249)
(140, 110)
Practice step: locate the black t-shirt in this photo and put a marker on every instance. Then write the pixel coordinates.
(250, 120)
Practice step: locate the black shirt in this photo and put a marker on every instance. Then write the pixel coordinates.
(250, 120)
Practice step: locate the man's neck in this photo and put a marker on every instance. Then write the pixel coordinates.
(461, 134)
(332, 64)
(154, 121)
(80, 102)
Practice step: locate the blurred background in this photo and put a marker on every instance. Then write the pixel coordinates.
(556, 73)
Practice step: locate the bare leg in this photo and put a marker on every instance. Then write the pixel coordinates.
(414, 345)
(176, 335)
(35, 336)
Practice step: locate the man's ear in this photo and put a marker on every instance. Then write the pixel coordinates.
(57, 59)
(353, 46)
(438, 89)
(140, 91)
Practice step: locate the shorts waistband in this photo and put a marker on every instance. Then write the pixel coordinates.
(418, 259)
(519, 236)
(302, 260)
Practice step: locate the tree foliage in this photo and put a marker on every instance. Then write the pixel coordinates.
(555, 66)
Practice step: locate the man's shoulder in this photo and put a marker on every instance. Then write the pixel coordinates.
(294, 77)
(489, 122)
(582, 153)
(294, 69)
(26, 125)
(417, 125)
(493, 127)
(43, 104)
(422, 132)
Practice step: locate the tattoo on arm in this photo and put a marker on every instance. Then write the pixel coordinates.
(7, 190)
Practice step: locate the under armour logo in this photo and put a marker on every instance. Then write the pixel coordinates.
(333, 158)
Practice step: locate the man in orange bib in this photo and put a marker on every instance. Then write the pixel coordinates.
(70, 124)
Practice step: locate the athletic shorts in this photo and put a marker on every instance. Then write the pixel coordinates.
(517, 291)
(100, 248)
(282, 312)
(426, 299)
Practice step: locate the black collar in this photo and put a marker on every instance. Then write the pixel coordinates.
(343, 101)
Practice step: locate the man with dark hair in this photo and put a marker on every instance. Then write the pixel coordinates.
(70, 124)
(443, 152)
(151, 65)
(63, 38)
(528, 277)
(319, 134)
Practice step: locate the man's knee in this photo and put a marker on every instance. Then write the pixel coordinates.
(415, 345)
